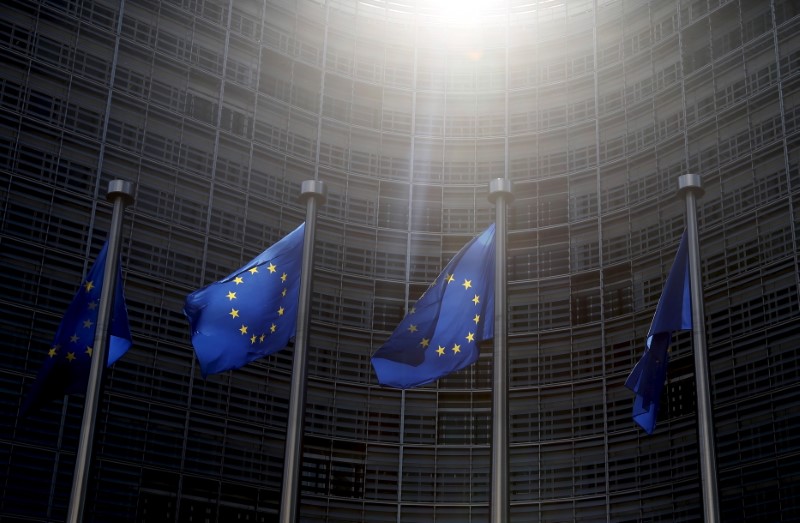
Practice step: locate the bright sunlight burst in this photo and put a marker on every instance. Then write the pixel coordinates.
(460, 12)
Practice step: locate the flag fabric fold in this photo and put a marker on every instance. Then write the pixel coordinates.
(673, 313)
(441, 332)
(66, 367)
(250, 313)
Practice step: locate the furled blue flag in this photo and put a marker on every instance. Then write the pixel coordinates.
(250, 313)
(673, 313)
(440, 334)
(66, 368)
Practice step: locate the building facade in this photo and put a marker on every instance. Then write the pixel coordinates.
(219, 109)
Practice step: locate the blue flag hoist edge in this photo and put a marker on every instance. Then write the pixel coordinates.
(250, 313)
(441, 332)
(66, 368)
(673, 313)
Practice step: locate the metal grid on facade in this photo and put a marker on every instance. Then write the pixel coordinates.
(218, 110)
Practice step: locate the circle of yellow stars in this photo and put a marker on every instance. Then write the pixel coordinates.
(72, 355)
(244, 330)
(470, 337)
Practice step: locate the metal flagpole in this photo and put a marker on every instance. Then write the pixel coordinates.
(312, 192)
(500, 194)
(120, 193)
(690, 187)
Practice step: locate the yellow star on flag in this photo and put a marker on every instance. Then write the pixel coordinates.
(272, 267)
(234, 313)
(440, 351)
(231, 295)
(243, 329)
(467, 284)
(456, 348)
(89, 285)
(237, 280)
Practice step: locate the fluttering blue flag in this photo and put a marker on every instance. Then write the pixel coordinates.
(250, 313)
(441, 333)
(673, 313)
(66, 367)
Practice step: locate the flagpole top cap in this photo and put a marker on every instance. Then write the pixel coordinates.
(692, 183)
(313, 189)
(500, 187)
(120, 189)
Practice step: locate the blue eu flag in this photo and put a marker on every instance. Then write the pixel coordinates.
(440, 334)
(673, 313)
(252, 312)
(66, 367)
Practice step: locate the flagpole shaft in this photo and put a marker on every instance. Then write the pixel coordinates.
(500, 194)
(690, 186)
(120, 193)
(313, 193)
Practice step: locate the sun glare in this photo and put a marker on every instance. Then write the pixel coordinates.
(460, 12)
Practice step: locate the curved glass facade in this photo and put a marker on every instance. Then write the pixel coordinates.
(218, 110)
